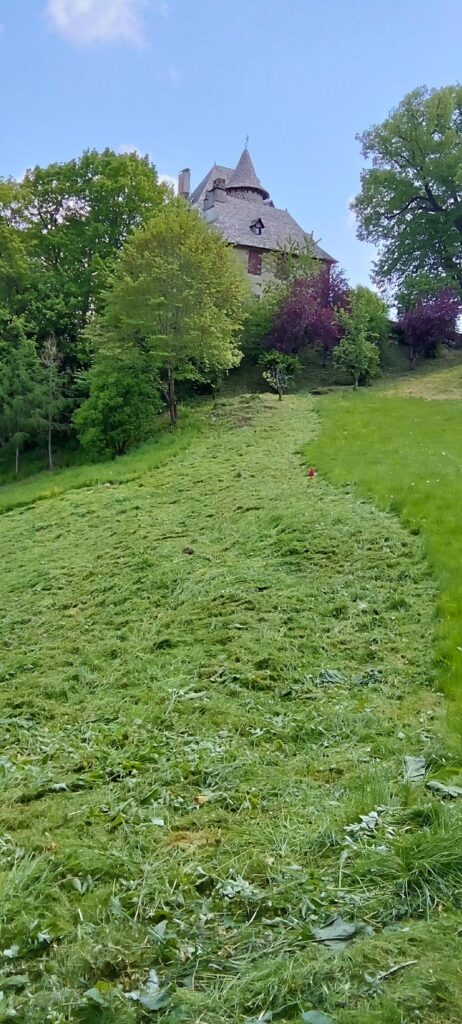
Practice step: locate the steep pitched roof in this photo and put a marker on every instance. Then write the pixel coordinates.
(234, 219)
(244, 175)
(217, 171)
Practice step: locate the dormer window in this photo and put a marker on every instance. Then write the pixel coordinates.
(257, 226)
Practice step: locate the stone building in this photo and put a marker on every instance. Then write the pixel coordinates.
(236, 204)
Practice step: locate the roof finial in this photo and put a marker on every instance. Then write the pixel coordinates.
(246, 141)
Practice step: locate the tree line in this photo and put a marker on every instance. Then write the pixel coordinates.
(114, 294)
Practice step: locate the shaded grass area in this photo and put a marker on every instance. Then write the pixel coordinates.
(44, 485)
(406, 454)
(211, 670)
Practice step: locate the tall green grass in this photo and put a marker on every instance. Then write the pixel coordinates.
(406, 454)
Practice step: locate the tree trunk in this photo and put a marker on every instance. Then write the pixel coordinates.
(171, 399)
(280, 395)
(356, 383)
(17, 459)
(50, 452)
(412, 359)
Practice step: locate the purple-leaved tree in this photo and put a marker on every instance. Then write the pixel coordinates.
(308, 313)
(430, 321)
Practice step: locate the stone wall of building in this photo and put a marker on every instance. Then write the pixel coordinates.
(257, 281)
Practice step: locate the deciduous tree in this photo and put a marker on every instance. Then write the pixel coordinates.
(410, 203)
(73, 219)
(176, 303)
(308, 313)
(430, 321)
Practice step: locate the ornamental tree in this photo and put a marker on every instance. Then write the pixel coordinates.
(430, 321)
(410, 203)
(308, 315)
(175, 304)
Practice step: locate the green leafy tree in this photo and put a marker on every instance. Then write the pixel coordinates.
(364, 323)
(176, 302)
(279, 370)
(369, 313)
(358, 359)
(410, 203)
(121, 409)
(73, 219)
(21, 396)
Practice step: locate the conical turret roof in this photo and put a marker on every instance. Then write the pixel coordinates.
(244, 176)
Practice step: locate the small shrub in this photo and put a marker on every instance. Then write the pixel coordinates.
(279, 370)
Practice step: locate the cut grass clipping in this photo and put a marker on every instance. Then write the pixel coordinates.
(213, 672)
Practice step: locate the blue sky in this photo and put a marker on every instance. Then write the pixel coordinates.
(186, 80)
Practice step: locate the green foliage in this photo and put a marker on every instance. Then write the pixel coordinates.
(370, 315)
(365, 324)
(279, 370)
(120, 411)
(260, 316)
(175, 303)
(74, 218)
(21, 394)
(358, 358)
(410, 203)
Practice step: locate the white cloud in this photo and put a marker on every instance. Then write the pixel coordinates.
(97, 21)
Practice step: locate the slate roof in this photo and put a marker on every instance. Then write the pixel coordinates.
(234, 215)
(244, 175)
(197, 197)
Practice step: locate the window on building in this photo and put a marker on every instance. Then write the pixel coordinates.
(255, 261)
(257, 226)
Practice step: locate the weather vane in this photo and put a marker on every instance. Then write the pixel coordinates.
(246, 141)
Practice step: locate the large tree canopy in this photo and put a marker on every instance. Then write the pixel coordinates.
(72, 219)
(173, 309)
(410, 203)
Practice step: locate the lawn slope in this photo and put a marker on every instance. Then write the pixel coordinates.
(211, 670)
(406, 454)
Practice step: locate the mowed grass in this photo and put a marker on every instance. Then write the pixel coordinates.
(405, 452)
(212, 668)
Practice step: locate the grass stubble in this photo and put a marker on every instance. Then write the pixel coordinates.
(212, 669)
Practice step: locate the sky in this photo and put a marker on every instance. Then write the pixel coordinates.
(187, 80)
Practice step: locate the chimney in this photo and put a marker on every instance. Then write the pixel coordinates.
(184, 183)
(216, 194)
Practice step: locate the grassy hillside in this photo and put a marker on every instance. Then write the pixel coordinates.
(405, 452)
(213, 667)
